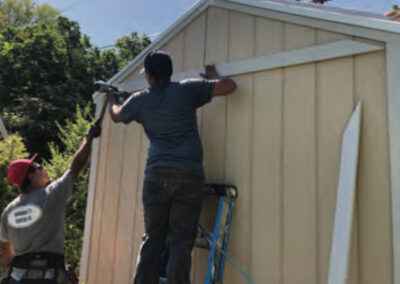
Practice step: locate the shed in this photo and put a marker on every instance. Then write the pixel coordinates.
(300, 69)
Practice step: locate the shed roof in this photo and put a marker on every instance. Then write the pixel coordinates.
(313, 11)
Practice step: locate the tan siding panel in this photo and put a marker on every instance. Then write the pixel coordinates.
(127, 205)
(175, 48)
(217, 36)
(241, 36)
(374, 183)
(298, 37)
(267, 178)
(194, 44)
(98, 202)
(300, 252)
(213, 130)
(269, 37)
(238, 164)
(324, 37)
(335, 105)
(110, 206)
(134, 74)
(139, 214)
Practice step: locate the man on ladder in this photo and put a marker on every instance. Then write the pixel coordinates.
(32, 225)
(174, 175)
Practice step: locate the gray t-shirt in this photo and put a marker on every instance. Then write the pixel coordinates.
(170, 122)
(34, 222)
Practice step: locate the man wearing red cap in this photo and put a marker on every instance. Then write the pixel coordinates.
(32, 225)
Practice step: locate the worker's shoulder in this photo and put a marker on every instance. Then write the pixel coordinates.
(10, 206)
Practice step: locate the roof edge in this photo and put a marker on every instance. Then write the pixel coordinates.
(332, 15)
(194, 11)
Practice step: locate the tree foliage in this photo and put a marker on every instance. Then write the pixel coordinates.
(48, 68)
(19, 13)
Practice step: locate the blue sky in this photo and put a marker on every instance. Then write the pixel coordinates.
(107, 20)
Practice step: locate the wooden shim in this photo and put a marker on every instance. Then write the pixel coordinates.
(3, 130)
(317, 53)
(393, 70)
(341, 243)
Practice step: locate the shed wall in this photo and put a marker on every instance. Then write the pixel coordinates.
(278, 139)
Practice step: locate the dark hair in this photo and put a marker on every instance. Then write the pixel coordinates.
(158, 64)
(27, 182)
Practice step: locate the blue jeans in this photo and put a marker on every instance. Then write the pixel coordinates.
(172, 201)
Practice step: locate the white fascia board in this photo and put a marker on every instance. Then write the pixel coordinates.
(393, 106)
(326, 15)
(288, 15)
(169, 33)
(280, 60)
(344, 215)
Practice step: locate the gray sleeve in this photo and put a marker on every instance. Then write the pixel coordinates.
(130, 110)
(200, 90)
(60, 190)
(3, 228)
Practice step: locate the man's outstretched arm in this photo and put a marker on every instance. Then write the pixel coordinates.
(6, 254)
(82, 155)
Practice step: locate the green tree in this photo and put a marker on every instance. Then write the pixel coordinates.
(19, 13)
(128, 47)
(46, 70)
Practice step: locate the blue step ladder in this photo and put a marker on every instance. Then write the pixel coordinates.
(216, 241)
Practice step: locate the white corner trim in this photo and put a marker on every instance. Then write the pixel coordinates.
(343, 227)
(169, 33)
(311, 12)
(393, 103)
(99, 100)
(3, 130)
(285, 59)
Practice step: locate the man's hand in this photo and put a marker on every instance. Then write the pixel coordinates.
(94, 131)
(223, 86)
(6, 254)
(210, 72)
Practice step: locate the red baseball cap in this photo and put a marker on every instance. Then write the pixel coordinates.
(17, 170)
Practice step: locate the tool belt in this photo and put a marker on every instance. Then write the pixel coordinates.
(36, 268)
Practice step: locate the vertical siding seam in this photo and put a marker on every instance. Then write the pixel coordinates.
(229, 36)
(102, 201)
(119, 199)
(282, 166)
(316, 181)
(250, 177)
(251, 150)
(138, 187)
(317, 171)
(356, 228)
(388, 157)
(226, 99)
(183, 51)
